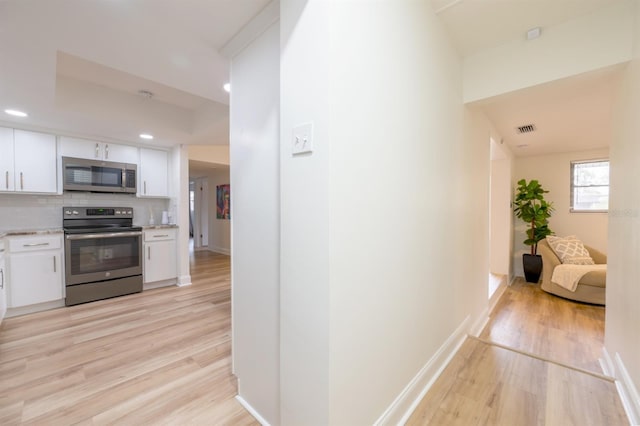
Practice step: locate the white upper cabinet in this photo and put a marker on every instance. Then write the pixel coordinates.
(84, 148)
(153, 173)
(27, 161)
(34, 162)
(6, 160)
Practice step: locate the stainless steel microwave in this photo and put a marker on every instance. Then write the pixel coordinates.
(80, 174)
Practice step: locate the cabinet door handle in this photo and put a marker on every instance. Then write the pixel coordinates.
(1, 279)
(161, 236)
(149, 253)
(145, 186)
(97, 151)
(54, 264)
(106, 152)
(21, 181)
(35, 244)
(6, 179)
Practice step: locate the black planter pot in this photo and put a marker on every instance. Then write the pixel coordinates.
(532, 264)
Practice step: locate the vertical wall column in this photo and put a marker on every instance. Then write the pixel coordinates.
(179, 205)
(255, 224)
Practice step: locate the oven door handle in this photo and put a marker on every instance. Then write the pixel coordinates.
(104, 235)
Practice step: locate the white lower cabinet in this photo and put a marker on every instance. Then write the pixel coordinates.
(35, 269)
(3, 283)
(160, 255)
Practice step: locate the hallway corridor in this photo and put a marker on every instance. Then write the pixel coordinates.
(535, 363)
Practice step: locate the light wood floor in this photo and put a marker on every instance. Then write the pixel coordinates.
(489, 385)
(531, 320)
(163, 357)
(159, 357)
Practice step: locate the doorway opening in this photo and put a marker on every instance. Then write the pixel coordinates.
(209, 229)
(199, 212)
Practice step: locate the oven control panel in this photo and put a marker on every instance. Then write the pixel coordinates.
(97, 212)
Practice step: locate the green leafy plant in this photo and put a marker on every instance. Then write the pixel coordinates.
(530, 206)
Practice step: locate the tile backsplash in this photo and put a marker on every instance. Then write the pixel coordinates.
(18, 211)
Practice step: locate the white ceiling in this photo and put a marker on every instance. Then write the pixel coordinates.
(76, 66)
(478, 24)
(572, 114)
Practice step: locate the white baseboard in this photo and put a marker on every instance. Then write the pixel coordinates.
(484, 317)
(406, 402)
(184, 280)
(497, 295)
(158, 284)
(624, 384)
(30, 309)
(606, 363)
(480, 323)
(220, 250)
(252, 411)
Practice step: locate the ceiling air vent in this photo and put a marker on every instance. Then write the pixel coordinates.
(527, 128)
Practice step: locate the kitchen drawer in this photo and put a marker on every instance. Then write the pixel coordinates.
(27, 244)
(151, 235)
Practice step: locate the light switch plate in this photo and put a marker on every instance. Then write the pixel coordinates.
(302, 140)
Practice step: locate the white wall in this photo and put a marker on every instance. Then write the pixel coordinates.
(554, 174)
(589, 42)
(622, 340)
(304, 282)
(378, 220)
(501, 220)
(466, 265)
(255, 223)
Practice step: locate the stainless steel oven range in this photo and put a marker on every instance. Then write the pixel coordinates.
(103, 253)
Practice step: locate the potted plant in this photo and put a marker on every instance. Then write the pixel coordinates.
(530, 206)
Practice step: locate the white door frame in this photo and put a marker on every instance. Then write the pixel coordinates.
(201, 213)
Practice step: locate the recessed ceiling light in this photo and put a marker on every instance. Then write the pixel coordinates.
(16, 113)
(227, 87)
(146, 136)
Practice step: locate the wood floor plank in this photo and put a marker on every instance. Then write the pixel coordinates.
(158, 357)
(531, 320)
(520, 379)
(164, 357)
(489, 385)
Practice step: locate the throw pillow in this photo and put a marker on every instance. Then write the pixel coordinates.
(570, 250)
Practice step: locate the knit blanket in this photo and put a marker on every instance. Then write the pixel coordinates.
(568, 276)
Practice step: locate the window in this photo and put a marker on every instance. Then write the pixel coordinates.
(590, 186)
